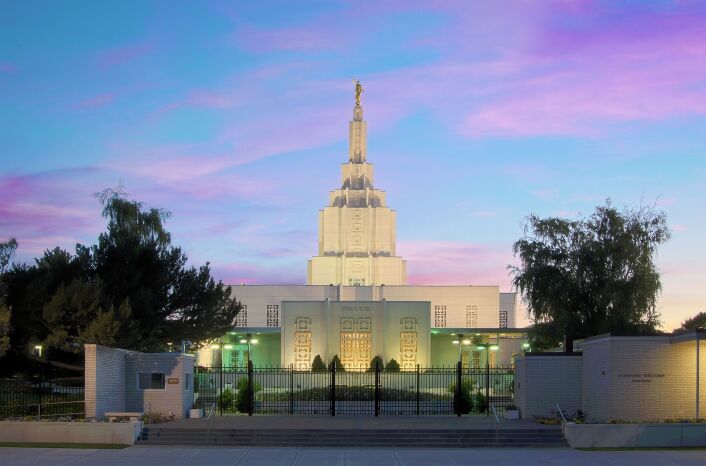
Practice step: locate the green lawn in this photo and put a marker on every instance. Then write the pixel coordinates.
(84, 446)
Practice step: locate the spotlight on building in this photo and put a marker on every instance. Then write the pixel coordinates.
(216, 346)
(455, 342)
(254, 341)
(493, 347)
(227, 346)
(466, 342)
(243, 341)
(525, 345)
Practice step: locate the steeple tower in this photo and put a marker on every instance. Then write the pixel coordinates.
(357, 231)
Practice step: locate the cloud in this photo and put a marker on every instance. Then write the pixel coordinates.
(96, 101)
(456, 263)
(124, 54)
(7, 68)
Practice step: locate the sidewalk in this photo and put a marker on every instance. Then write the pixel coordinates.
(174, 456)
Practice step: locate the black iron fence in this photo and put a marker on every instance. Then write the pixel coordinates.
(277, 390)
(23, 398)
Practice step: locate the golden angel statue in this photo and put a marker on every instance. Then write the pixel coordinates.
(358, 91)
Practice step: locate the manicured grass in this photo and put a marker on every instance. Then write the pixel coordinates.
(83, 446)
(643, 449)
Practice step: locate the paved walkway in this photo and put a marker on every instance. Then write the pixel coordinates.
(157, 456)
(352, 422)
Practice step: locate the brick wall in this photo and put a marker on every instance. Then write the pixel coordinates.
(543, 381)
(642, 378)
(104, 380)
(174, 398)
(111, 381)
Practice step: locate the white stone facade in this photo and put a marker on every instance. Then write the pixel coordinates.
(357, 231)
(450, 306)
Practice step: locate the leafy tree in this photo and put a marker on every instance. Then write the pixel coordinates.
(590, 276)
(376, 362)
(694, 323)
(133, 289)
(7, 250)
(4, 328)
(392, 366)
(318, 365)
(336, 362)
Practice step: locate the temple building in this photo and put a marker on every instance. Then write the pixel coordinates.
(357, 304)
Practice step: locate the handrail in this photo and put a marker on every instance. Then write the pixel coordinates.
(563, 419)
(495, 413)
(211, 411)
(147, 408)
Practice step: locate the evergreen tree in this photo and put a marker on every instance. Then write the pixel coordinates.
(392, 366)
(318, 365)
(336, 362)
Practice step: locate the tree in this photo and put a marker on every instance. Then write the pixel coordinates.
(590, 276)
(694, 323)
(336, 362)
(7, 250)
(132, 289)
(392, 366)
(318, 365)
(375, 363)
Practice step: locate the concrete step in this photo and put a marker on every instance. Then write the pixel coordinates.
(379, 438)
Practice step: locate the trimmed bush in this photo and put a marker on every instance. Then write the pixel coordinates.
(243, 400)
(392, 366)
(376, 362)
(318, 365)
(336, 362)
(225, 400)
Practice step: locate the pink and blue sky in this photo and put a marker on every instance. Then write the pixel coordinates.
(233, 115)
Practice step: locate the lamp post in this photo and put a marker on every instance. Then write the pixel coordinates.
(461, 342)
(250, 341)
(487, 347)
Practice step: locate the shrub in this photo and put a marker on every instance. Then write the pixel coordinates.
(392, 366)
(318, 365)
(243, 400)
(463, 403)
(376, 362)
(336, 362)
(225, 400)
(480, 403)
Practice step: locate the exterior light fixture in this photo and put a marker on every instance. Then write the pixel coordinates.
(254, 341)
(493, 347)
(216, 346)
(525, 345)
(455, 342)
(243, 341)
(227, 346)
(477, 334)
(480, 347)
(38, 349)
(466, 342)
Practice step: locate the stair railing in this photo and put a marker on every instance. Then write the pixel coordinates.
(497, 419)
(563, 419)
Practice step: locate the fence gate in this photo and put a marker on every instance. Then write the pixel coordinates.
(278, 390)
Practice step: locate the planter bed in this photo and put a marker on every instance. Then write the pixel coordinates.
(117, 433)
(635, 435)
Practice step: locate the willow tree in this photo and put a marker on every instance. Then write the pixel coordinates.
(590, 276)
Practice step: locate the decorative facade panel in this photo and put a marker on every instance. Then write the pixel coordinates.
(439, 316)
(472, 316)
(273, 315)
(408, 343)
(302, 343)
(241, 318)
(503, 319)
(356, 343)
